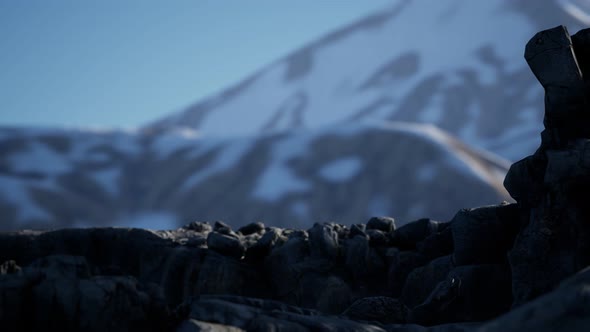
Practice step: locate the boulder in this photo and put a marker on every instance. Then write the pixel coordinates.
(484, 235)
(255, 227)
(226, 244)
(323, 241)
(384, 224)
(407, 236)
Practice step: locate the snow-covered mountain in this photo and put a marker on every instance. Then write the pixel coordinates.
(457, 64)
(58, 178)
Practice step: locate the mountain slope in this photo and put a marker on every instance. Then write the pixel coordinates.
(455, 64)
(57, 178)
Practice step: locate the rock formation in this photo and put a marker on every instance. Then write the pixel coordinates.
(511, 267)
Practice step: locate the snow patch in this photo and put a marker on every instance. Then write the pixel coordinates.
(341, 170)
(16, 192)
(171, 141)
(227, 158)
(40, 159)
(108, 179)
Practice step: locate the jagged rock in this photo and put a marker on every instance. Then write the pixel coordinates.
(283, 266)
(550, 247)
(265, 244)
(407, 236)
(422, 281)
(377, 238)
(193, 325)
(384, 224)
(197, 226)
(524, 180)
(220, 225)
(226, 244)
(402, 264)
(219, 275)
(10, 267)
(357, 229)
(356, 253)
(563, 309)
(70, 300)
(461, 297)
(437, 244)
(484, 235)
(380, 308)
(255, 227)
(323, 241)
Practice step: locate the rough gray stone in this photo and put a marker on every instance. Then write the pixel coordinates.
(323, 241)
(255, 227)
(226, 244)
(384, 224)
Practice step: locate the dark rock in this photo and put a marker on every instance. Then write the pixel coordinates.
(356, 253)
(328, 294)
(10, 267)
(407, 236)
(484, 235)
(283, 267)
(357, 229)
(437, 244)
(197, 226)
(265, 244)
(384, 224)
(227, 245)
(193, 325)
(422, 281)
(551, 247)
(377, 238)
(402, 264)
(219, 275)
(323, 241)
(382, 309)
(524, 180)
(255, 227)
(220, 225)
(461, 296)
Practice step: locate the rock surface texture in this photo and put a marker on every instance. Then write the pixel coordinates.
(512, 267)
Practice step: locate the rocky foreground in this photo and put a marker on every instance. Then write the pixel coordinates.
(510, 267)
(424, 276)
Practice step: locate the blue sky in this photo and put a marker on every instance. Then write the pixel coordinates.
(124, 63)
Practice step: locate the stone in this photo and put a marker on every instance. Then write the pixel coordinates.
(10, 267)
(377, 238)
(403, 263)
(422, 281)
(380, 308)
(323, 241)
(484, 235)
(265, 244)
(255, 227)
(461, 297)
(357, 229)
(384, 224)
(197, 226)
(437, 244)
(226, 245)
(407, 236)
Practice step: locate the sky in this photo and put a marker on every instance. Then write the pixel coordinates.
(122, 64)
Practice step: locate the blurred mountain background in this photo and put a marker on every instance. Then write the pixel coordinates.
(410, 109)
